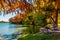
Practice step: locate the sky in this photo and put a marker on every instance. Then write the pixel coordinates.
(8, 16)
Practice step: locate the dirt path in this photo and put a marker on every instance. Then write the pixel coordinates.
(57, 35)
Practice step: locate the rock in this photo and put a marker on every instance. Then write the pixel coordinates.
(43, 30)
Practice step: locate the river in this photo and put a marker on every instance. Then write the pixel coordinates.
(8, 29)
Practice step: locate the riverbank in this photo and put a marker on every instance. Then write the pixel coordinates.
(37, 36)
(7, 29)
(3, 22)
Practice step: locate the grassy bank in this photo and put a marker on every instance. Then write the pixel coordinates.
(37, 37)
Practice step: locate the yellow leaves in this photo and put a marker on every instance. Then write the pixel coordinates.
(35, 5)
(8, 7)
(15, 5)
(48, 20)
(3, 3)
(0, 7)
(47, 1)
(42, 3)
(6, 0)
(53, 3)
(43, 12)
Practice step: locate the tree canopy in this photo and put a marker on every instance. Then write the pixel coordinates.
(12, 5)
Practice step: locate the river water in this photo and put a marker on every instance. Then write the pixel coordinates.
(8, 29)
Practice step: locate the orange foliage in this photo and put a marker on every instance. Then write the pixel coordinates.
(11, 6)
(24, 6)
(20, 16)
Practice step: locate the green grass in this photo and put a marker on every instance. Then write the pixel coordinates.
(37, 37)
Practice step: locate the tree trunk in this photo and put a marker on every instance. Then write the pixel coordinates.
(56, 21)
(55, 25)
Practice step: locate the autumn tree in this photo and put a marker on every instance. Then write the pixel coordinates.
(47, 7)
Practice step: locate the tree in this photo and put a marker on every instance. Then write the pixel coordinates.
(11, 6)
(46, 7)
